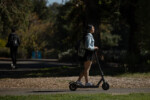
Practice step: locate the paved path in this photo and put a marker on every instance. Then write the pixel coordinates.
(78, 91)
(27, 66)
(31, 64)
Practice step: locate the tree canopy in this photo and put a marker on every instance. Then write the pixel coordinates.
(121, 25)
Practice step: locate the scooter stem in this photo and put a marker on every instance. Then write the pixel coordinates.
(98, 64)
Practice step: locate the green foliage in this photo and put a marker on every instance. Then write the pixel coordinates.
(50, 54)
(31, 19)
(72, 19)
(34, 38)
(120, 24)
(61, 28)
(40, 8)
(142, 18)
(22, 53)
(2, 43)
(68, 56)
(13, 14)
(138, 22)
(108, 39)
(4, 52)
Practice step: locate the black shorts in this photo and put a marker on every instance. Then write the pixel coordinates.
(89, 56)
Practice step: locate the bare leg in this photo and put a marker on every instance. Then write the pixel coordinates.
(87, 66)
(85, 72)
(81, 75)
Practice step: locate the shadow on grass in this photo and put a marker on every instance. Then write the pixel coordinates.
(48, 91)
(53, 68)
(57, 71)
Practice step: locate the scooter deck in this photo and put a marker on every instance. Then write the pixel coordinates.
(83, 86)
(94, 86)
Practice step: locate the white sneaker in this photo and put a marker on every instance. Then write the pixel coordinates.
(79, 83)
(88, 84)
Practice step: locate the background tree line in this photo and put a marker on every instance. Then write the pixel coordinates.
(122, 28)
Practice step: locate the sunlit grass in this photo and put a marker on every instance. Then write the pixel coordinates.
(136, 75)
(138, 96)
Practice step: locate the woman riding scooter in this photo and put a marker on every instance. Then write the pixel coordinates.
(88, 57)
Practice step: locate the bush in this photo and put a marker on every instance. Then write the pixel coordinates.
(4, 52)
(114, 55)
(2, 43)
(50, 54)
(22, 53)
(68, 56)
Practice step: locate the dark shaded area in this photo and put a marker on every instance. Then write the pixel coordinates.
(121, 30)
(43, 68)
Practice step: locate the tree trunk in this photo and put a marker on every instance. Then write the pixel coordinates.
(128, 11)
(92, 16)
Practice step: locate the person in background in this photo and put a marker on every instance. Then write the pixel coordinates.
(88, 57)
(13, 44)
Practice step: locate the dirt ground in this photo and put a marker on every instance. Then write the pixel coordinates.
(63, 82)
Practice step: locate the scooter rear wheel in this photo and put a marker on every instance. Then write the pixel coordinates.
(105, 86)
(73, 87)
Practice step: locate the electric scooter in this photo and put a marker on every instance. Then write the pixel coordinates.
(105, 86)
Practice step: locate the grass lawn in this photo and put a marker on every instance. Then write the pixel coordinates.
(75, 71)
(135, 75)
(137, 96)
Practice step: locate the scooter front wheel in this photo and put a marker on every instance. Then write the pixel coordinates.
(72, 86)
(105, 86)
